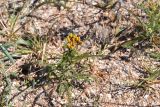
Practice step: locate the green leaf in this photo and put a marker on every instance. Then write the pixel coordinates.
(24, 42)
(4, 50)
(85, 55)
(61, 88)
(153, 76)
(13, 75)
(24, 51)
(130, 43)
(155, 55)
(84, 77)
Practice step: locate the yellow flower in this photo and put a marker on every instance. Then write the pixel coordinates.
(73, 40)
(68, 39)
(70, 46)
(77, 39)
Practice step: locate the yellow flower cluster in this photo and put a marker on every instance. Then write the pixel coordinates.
(73, 40)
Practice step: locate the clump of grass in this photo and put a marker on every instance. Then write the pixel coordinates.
(5, 94)
(150, 32)
(147, 83)
(72, 69)
(150, 24)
